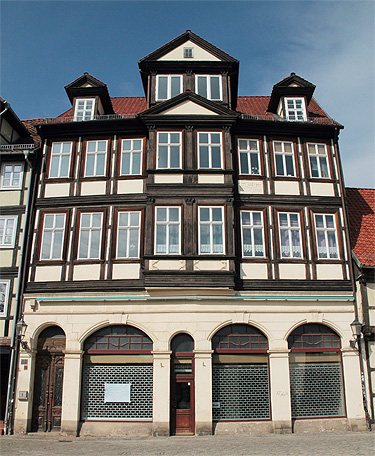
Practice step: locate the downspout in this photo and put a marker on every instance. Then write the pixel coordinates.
(10, 402)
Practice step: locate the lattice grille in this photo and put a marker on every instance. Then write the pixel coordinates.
(140, 405)
(240, 392)
(316, 390)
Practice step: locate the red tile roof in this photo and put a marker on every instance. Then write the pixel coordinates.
(30, 125)
(360, 203)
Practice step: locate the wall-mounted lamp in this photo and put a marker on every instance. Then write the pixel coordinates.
(21, 327)
(357, 327)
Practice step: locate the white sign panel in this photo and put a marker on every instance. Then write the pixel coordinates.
(117, 392)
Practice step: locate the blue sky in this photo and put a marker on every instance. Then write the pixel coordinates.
(45, 45)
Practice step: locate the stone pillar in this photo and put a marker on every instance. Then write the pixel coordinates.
(353, 390)
(161, 393)
(280, 391)
(25, 383)
(71, 399)
(203, 392)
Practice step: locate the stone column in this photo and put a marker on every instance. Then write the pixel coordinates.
(25, 383)
(280, 391)
(161, 393)
(71, 399)
(203, 392)
(353, 390)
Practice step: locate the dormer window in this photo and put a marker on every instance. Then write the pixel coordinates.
(209, 86)
(295, 108)
(84, 109)
(188, 53)
(168, 86)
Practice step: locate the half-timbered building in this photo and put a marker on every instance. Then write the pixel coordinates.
(190, 268)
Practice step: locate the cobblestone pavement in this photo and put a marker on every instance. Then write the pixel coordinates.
(322, 444)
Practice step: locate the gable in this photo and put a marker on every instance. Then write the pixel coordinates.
(188, 107)
(199, 54)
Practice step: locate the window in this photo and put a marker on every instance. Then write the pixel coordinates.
(252, 234)
(284, 159)
(326, 236)
(188, 53)
(90, 235)
(211, 230)
(4, 297)
(7, 231)
(248, 151)
(168, 86)
(60, 159)
(11, 176)
(169, 150)
(209, 87)
(131, 157)
(295, 109)
(96, 154)
(168, 230)
(318, 160)
(52, 236)
(84, 109)
(290, 235)
(128, 234)
(209, 151)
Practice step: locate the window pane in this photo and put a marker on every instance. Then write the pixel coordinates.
(333, 253)
(64, 171)
(85, 220)
(257, 218)
(161, 214)
(203, 157)
(254, 164)
(125, 164)
(162, 88)
(289, 165)
(202, 86)
(283, 218)
(175, 157)
(136, 163)
(323, 166)
(258, 242)
(134, 218)
(59, 221)
(216, 157)
(163, 157)
(245, 218)
(54, 168)
(83, 247)
(95, 244)
(279, 165)
(205, 239)
(203, 138)
(96, 220)
(329, 220)
(244, 163)
(204, 214)
(161, 239)
(215, 88)
(217, 214)
(56, 251)
(122, 243)
(100, 164)
(123, 218)
(46, 247)
(319, 221)
(90, 163)
(215, 138)
(296, 243)
(175, 86)
(175, 138)
(163, 138)
(133, 243)
(314, 167)
(247, 243)
(174, 231)
(174, 214)
(137, 144)
(218, 238)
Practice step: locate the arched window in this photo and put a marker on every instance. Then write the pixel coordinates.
(240, 378)
(316, 380)
(122, 338)
(182, 343)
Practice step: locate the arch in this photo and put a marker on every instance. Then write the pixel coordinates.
(37, 331)
(256, 325)
(314, 337)
(324, 322)
(182, 342)
(239, 337)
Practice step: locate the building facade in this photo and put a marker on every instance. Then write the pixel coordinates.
(190, 267)
(18, 161)
(361, 211)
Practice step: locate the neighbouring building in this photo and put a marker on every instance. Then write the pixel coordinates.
(18, 162)
(190, 266)
(361, 211)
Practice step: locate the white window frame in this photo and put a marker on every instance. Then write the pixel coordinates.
(6, 219)
(11, 187)
(90, 229)
(289, 229)
(210, 144)
(169, 85)
(167, 223)
(132, 152)
(284, 154)
(208, 77)
(252, 227)
(295, 111)
(169, 145)
(211, 223)
(317, 157)
(96, 153)
(59, 156)
(248, 152)
(4, 291)
(85, 113)
(128, 228)
(188, 53)
(54, 230)
(325, 229)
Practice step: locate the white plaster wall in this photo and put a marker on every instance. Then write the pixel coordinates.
(210, 178)
(322, 189)
(9, 198)
(198, 53)
(125, 271)
(56, 190)
(130, 186)
(286, 188)
(371, 349)
(93, 188)
(168, 178)
(47, 273)
(254, 271)
(218, 265)
(329, 271)
(189, 107)
(6, 257)
(172, 265)
(292, 271)
(250, 186)
(86, 272)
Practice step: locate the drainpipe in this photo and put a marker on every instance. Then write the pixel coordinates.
(10, 402)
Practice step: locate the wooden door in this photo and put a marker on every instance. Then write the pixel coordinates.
(48, 392)
(182, 406)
